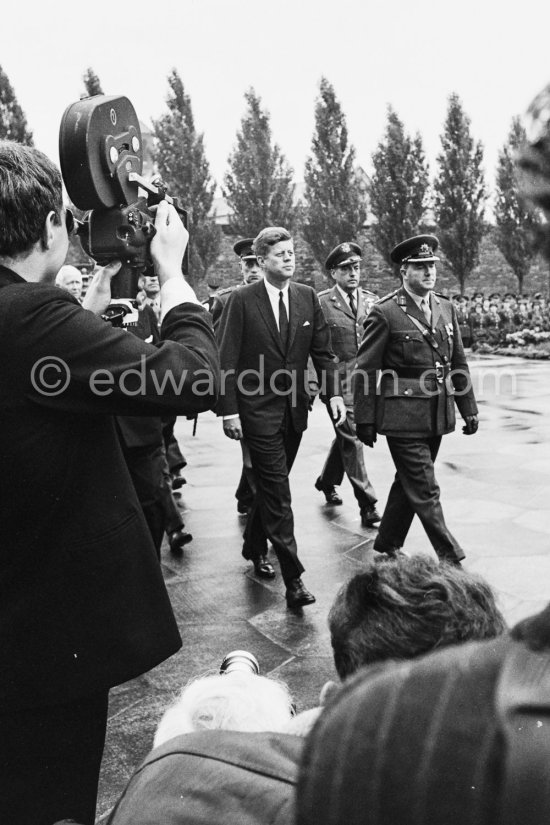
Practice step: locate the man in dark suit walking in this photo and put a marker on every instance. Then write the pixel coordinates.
(266, 333)
(412, 337)
(83, 604)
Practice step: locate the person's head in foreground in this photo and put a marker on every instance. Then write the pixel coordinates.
(458, 737)
(402, 607)
(235, 701)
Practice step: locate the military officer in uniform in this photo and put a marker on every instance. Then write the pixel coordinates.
(345, 307)
(412, 336)
(250, 272)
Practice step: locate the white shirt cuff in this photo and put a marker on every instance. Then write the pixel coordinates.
(173, 292)
(229, 417)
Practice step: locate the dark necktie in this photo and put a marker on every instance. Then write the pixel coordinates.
(283, 321)
(352, 304)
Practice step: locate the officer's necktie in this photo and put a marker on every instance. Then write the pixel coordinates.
(352, 304)
(283, 321)
(426, 309)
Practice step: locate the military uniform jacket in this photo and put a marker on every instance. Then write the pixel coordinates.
(346, 332)
(422, 369)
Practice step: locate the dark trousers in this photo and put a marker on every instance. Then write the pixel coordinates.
(176, 460)
(346, 456)
(49, 761)
(145, 466)
(415, 491)
(272, 457)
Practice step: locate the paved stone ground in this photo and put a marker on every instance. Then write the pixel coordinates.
(495, 492)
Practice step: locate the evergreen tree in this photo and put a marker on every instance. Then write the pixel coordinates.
(335, 203)
(258, 185)
(398, 189)
(182, 164)
(92, 83)
(13, 123)
(460, 193)
(518, 225)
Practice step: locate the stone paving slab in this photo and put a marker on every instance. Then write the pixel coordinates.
(495, 490)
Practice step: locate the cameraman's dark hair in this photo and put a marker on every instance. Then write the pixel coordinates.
(269, 237)
(30, 188)
(403, 607)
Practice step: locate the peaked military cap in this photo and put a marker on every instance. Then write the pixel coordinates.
(244, 249)
(419, 249)
(344, 253)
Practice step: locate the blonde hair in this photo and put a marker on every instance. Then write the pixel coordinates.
(232, 701)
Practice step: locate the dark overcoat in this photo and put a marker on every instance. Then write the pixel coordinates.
(83, 604)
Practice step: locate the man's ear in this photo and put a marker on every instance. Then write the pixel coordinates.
(48, 231)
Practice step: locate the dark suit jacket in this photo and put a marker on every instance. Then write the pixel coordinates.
(83, 605)
(405, 404)
(258, 375)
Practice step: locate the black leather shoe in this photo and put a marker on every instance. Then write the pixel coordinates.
(369, 516)
(178, 539)
(387, 549)
(263, 568)
(178, 481)
(297, 595)
(331, 495)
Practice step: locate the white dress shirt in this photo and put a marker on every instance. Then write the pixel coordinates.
(273, 295)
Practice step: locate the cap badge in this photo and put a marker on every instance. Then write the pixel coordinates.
(345, 247)
(425, 250)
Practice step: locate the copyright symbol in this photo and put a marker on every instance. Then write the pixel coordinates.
(50, 376)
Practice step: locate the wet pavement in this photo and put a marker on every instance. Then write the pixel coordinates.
(495, 490)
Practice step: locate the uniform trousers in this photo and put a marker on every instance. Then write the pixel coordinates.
(346, 456)
(271, 517)
(415, 491)
(50, 760)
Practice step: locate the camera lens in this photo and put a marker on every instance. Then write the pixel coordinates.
(240, 660)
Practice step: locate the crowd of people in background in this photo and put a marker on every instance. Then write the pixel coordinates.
(489, 319)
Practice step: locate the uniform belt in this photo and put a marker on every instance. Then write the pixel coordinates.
(419, 372)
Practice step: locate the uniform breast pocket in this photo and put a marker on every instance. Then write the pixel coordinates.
(411, 347)
(336, 334)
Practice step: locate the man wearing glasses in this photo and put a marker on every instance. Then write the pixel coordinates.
(345, 307)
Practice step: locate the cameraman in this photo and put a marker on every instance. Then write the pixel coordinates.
(83, 604)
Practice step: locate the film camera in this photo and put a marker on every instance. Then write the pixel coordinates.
(101, 155)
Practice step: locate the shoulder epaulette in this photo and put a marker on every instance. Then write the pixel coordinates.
(441, 295)
(387, 297)
(324, 292)
(226, 290)
(368, 292)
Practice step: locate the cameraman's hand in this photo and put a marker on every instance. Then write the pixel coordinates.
(366, 433)
(98, 294)
(169, 243)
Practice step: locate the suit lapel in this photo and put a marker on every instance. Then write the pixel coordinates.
(264, 305)
(341, 303)
(436, 309)
(296, 313)
(413, 309)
